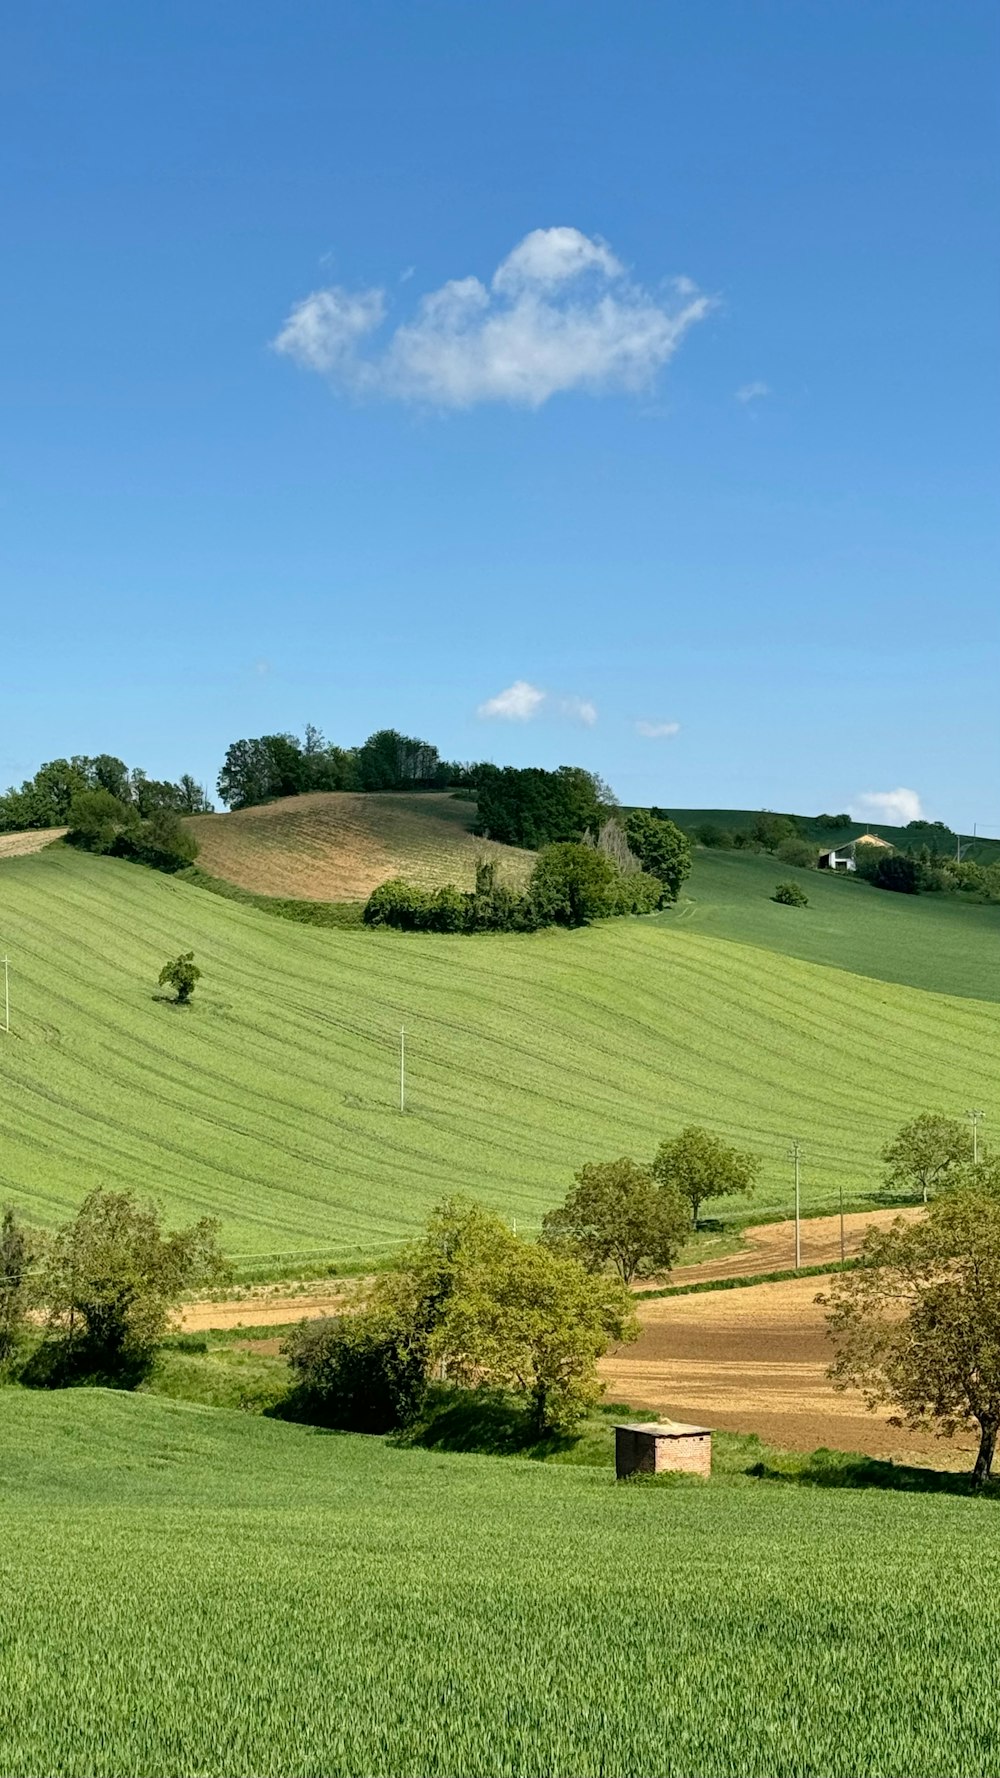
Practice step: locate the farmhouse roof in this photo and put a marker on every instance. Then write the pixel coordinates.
(872, 839)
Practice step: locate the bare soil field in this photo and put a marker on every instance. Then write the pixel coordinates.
(770, 1246)
(17, 845)
(754, 1360)
(339, 845)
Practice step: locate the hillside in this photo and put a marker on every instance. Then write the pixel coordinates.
(273, 1101)
(293, 1603)
(334, 846)
(986, 850)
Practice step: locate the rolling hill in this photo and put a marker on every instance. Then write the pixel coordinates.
(332, 846)
(273, 1101)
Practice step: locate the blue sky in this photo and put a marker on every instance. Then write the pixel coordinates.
(719, 458)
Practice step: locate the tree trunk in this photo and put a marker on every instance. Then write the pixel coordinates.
(984, 1456)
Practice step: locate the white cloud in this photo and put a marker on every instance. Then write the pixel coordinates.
(322, 333)
(560, 313)
(580, 709)
(895, 807)
(519, 703)
(658, 731)
(752, 392)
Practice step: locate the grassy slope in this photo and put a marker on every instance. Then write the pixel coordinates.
(926, 941)
(986, 850)
(337, 846)
(292, 1603)
(273, 1100)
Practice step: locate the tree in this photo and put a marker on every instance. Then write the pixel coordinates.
(791, 895)
(923, 1154)
(533, 808)
(662, 849)
(698, 1166)
(110, 1280)
(98, 819)
(191, 798)
(181, 974)
(357, 1372)
(799, 852)
(572, 884)
(618, 1215)
(473, 1302)
(391, 761)
(918, 1323)
(18, 1252)
(769, 830)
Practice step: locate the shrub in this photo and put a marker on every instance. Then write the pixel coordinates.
(791, 895)
(356, 1373)
(181, 974)
(709, 833)
(797, 852)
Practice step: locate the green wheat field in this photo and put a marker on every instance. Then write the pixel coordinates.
(190, 1590)
(273, 1101)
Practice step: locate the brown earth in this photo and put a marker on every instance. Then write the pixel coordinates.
(339, 845)
(16, 845)
(754, 1360)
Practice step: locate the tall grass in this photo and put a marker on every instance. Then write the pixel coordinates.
(188, 1591)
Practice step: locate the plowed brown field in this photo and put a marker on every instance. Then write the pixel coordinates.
(16, 845)
(338, 845)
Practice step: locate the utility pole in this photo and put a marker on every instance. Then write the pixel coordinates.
(6, 996)
(402, 1068)
(975, 1118)
(841, 1219)
(798, 1228)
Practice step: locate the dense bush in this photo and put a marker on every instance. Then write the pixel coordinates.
(709, 833)
(533, 808)
(791, 895)
(48, 799)
(798, 852)
(570, 885)
(888, 870)
(104, 823)
(661, 848)
(355, 1373)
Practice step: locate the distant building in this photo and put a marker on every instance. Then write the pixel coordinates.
(845, 857)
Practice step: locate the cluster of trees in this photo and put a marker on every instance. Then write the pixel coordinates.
(473, 1306)
(47, 799)
(527, 806)
(268, 766)
(90, 1302)
(572, 883)
(101, 822)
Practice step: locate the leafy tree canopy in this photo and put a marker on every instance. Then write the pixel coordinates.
(618, 1215)
(699, 1165)
(917, 1324)
(662, 849)
(181, 974)
(924, 1154)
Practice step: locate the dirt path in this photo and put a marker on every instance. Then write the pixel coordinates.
(769, 1248)
(755, 1360)
(16, 845)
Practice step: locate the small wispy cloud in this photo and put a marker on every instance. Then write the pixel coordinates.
(895, 807)
(579, 709)
(559, 313)
(657, 731)
(522, 700)
(752, 392)
(519, 703)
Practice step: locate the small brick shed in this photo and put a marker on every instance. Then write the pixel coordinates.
(649, 1447)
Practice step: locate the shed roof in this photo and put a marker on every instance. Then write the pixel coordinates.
(661, 1428)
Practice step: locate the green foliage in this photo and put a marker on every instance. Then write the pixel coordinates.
(924, 1154)
(98, 820)
(886, 869)
(62, 794)
(391, 761)
(662, 849)
(357, 1373)
(791, 895)
(475, 1303)
(709, 833)
(101, 822)
(698, 1166)
(573, 884)
(618, 1215)
(918, 1323)
(570, 885)
(799, 852)
(833, 823)
(769, 830)
(19, 1253)
(534, 808)
(109, 1281)
(181, 973)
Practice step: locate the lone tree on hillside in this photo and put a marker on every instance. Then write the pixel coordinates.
(698, 1166)
(918, 1323)
(923, 1154)
(617, 1215)
(18, 1250)
(181, 975)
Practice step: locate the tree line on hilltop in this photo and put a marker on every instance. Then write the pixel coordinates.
(46, 799)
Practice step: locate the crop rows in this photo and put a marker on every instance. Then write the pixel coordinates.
(273, 1100)
(295, 1603)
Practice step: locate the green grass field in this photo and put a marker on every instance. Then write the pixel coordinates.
(273, 1100)
(189, 1590)
(942, 942)
(986, 850)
